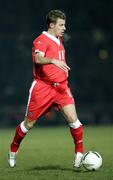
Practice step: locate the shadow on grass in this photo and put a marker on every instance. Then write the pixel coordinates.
(59, 168)
(43, 168)
(47, 168)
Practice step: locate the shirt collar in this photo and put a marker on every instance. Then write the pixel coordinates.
(57, 40)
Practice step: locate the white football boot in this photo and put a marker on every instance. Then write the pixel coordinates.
(12, 159)
(78, 161)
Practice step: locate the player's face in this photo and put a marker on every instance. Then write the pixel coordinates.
(59, 28)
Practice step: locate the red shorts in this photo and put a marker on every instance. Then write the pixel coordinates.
(43, 95)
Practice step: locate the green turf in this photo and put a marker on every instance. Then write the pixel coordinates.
(47, 154)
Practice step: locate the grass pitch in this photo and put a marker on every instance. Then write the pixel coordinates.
(47, 154)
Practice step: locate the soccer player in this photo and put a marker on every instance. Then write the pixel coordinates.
(50, 86)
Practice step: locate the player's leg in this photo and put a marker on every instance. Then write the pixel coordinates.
(39, 101)
(23, 127)
(21, 130)
(20, 133)
(76, 129)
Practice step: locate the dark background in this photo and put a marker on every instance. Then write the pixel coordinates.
(89, 48)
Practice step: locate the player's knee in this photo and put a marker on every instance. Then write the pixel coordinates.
(29, 124)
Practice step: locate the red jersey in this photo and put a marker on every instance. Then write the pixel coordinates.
(52, 48)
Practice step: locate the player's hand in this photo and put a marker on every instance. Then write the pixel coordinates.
(61, 64)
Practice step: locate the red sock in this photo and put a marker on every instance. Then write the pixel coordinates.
(77, 136)
(19, 135)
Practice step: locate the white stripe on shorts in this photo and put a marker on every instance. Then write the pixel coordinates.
(30, 92)
(69, 93)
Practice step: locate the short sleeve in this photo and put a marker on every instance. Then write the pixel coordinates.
(39, 45)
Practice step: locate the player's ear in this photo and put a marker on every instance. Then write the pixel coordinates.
(51, 25)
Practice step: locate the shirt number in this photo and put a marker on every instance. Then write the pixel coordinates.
(61, 55)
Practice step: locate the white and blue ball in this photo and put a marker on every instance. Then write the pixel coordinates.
(92, 160)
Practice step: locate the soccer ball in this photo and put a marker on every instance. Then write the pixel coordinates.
(92, 160)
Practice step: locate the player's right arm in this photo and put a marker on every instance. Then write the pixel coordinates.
(39, 59)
